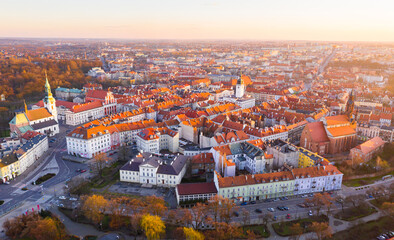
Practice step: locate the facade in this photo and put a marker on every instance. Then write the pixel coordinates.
(154, 140)
(283, 152)
(149, 169)
(279, 184)
(367, 150)
(23, 157)
(240, 88)
(193, 192)
(202, 164)
(309, 159)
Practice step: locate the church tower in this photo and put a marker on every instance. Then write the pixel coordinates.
(49, 100)
(240, 88)
(350, 106)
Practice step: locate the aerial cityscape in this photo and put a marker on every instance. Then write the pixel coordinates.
(196, 120)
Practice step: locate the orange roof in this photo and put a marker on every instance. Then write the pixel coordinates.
(335, 120)
(86, 106)
(38, 114)
(341, 131)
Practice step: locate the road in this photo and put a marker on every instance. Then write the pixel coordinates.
(50, 162)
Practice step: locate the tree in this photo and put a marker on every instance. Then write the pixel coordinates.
(152, 226)
(155, 205)
(198, 215)
(46, 229)
(99, 162)
(135, 225)
(355, 200)
(377, 192)
(192, 234)
(251, 235)
(214, 206)
(322, 230)
(93, 207)
(226, 209)
(78, 185)
(318, 202)
(123, 153)
(341, 200)
(265, 218)
(296, 230)
(388, 209)
(245, 217)
(223, 231)
(116, 207)
(186, 217)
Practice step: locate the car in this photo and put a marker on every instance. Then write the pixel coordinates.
(288, 216)
(390, 233)
(258, 210)
(236, 214)
(304, 196)
(280, 208)
(252, 202)
(8, 183)
(111, 154)
(271, 209)
(268, 200)
(301, 205)
(244, 203)
(83, 170)
(310, 213)
(275, 218)
(78, 170)
(62, 197)
(285, 208)
(73, 199)
(284, 198)
(311, 195)
(331, 192)
(276, 199)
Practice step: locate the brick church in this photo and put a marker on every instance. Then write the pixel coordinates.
(333, 134)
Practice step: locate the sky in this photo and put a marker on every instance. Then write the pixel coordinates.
(322, 20)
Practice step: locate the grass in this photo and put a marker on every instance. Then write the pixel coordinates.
(44, 178)
(260, 230)
(366, 231)
(1, 202)
(364, 181)
(353, 213)
(283, 228)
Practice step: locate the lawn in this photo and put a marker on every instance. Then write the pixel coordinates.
(364, 181)
(1, 202)
(44, 178)
(353, 213)
(366, 231)
(283, 228)
(260, 230)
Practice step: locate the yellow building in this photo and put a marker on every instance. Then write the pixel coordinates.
(9, 167)
(308, 159)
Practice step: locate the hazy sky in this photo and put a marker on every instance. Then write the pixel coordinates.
(360, 20)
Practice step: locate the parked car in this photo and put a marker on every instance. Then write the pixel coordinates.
(281, 208)
(83, 170)
(304, 196)
(244, 203)
(268, 200)
(8, 183)
(301, 205)
(284, 198)
(62, 197)
(271, 209)
(258, 210)
(236, 214)
(285, 208)
(73, 199)
(78, 170)
(276, 199)
(310, 213)
(288, 216)
(252, 202)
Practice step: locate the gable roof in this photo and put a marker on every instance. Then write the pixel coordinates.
(317, 131)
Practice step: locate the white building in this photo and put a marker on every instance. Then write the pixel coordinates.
(23, 157)
(154, 140)
(149, 169)
(240, 88)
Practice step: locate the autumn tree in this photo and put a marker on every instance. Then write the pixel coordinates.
(198, 215)
(117, 208)
(296, 230)
(227, 208)
(388, 208)
(377, 192)
(355, 200)
(224, 231)
(99, 162)
(46, 229)
(214, 206)
(191, 234)
(186, 217)
(245, 217)
(135, 223)
(152, 226)
(93, 207)
(321, 229)
(155, 205)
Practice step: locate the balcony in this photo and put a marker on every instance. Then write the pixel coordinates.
(314, 182)
(313, 186)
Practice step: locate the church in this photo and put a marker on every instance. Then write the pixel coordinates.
(333, 134)
(43, 120)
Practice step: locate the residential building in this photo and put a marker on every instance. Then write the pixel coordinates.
(147, 168)
(195, 192)
(367, 150)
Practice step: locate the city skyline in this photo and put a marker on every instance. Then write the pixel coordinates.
(232, 20)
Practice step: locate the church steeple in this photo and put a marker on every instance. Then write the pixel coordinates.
(25, 105)
(47, 86)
